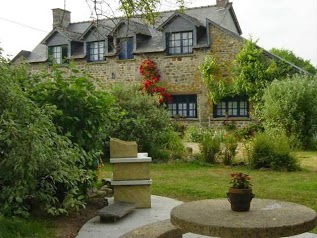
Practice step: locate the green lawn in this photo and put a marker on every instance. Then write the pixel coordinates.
(188, 181)
(18, 228)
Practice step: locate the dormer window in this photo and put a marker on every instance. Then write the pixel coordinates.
(95, 51)
(125, 48)
(180, 43)
(58, 54)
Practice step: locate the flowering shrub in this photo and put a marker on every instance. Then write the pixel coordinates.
(240, 180)
(151, 76)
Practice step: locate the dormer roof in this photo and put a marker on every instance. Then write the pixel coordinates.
(193, 20)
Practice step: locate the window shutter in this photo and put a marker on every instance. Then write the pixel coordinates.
(88, 51)
(50, 55)
(65, 54)
(129, 48)
(167, 37)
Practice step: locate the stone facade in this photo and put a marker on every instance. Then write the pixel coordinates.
(179, 73)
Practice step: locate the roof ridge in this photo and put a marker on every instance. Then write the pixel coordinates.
(134, 16)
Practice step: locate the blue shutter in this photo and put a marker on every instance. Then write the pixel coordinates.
(129, 48)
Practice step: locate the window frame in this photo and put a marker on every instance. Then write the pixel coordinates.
(125, 48)
(227, 107)
(180, 100)
(100, 54)
(181, 41)
(58, 57)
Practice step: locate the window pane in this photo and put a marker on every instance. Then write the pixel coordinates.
(183, 105)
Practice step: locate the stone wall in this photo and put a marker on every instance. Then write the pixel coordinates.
(179, 74)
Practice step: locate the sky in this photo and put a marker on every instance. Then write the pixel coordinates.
(288, 24)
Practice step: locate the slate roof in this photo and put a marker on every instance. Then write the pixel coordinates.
(77, 31)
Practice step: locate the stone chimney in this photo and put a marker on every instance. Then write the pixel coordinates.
(61, 18)
(222, 3)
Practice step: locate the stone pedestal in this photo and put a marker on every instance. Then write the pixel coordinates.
(131, 174)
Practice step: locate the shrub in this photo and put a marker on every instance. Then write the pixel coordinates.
(143, 120)
(272, 151)
(210, 145)
(194, 133)
(291, 106)
(229, 146)
(37, 165)
(83, 111)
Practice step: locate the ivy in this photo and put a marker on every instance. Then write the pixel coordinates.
(217, 88)
(250, 75)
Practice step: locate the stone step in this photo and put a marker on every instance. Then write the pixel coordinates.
(115, 211)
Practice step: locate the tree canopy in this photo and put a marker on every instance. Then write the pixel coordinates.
(296, 60)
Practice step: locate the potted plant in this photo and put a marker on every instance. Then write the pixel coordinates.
(240, 193)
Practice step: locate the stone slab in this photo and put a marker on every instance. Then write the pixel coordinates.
(140, 195)
(131, 160)
(266, 218)
(131, 182)
(131, 171)
(123, 149)
(159, 229)
(115, 211)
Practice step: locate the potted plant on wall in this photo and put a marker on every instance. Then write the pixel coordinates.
(240, 193)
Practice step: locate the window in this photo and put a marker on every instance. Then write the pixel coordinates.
(183, 106)
(180, 43)
(58, 54)
(96, 51)
(125, 48)
(232, 107)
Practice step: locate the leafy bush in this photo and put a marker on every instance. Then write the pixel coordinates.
(291, 106)
(83, 111)
(248, 131)
(194, 133)
(37, 165)
(272, 151)
(143, 120)
(229, 146)
(210, 145)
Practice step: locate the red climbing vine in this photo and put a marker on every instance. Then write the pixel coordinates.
(150, 73)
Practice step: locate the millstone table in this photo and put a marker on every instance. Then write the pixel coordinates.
(266, 218)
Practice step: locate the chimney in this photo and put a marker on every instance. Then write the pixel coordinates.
(61, 18)
(222, 3)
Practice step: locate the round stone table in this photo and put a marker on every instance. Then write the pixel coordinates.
(266, 218)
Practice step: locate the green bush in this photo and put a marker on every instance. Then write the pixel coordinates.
(143, 120)
(194, 133)
(272, 151)
(210, 146)
(37, 165)
(229, 146)
(84, 112)
(291, 106)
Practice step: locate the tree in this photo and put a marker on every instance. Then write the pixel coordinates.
(37, 165)
(146, 9)
(296, 60)
(290, 106)
(84, 112)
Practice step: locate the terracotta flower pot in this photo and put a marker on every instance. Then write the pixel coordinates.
(240, 199)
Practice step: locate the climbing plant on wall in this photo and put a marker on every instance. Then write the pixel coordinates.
(252, 72)
(151, 76)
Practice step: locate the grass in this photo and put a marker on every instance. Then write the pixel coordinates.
(189, 181)
(18, 228)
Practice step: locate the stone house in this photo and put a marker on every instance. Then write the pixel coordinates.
(111, 50)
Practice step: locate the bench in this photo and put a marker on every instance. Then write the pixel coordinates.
(115, 211)
(159, 229)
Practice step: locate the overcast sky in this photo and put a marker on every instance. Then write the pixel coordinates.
(289, 24)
